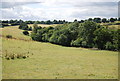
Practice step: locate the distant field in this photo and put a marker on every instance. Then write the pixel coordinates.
(45, 25)
(14, 31)
(49, 61)
(112, 26)
(17, 33)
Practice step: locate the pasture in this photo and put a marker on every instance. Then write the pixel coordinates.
(44, 25)
(49, 61)
(112, 25)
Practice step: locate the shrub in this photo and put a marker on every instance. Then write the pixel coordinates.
(109, 46)
(25, 32)
(8, 36)
(23, 26)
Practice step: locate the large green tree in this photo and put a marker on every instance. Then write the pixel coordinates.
(102, 36)
(87, 32)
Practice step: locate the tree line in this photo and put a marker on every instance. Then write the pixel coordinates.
(18, 22)
(88, 34)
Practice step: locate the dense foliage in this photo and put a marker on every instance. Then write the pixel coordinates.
(88, 34)
(83, 33)
(18, 22)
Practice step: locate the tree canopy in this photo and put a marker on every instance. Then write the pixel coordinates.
(88, 34)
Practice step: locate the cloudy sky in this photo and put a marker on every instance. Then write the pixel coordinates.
(57, 9)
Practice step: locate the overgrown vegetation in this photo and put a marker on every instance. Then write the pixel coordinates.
(13, 56)
(88, 34)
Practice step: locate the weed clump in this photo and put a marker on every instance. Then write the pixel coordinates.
(15, 56)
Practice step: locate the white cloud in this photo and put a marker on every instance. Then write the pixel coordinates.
(58, 9)
(97, 10)
(14, 4)
(20, 0)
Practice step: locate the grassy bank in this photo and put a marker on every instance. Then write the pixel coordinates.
(49, 61)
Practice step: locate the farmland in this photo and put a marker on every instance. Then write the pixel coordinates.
(44, 25)
(50, 61)
(112, 25)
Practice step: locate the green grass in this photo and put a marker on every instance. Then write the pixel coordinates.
(114, 26)
(49, 61)
(0, 58)
(15, 32)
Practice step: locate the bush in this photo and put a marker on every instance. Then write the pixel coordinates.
(23, 26)
(25, 32)
(8, 36)
(109, 46)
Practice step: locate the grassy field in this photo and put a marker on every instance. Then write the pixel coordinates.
(112, 26)
(49, 61)
(14, 31)
(44, 25)
(0, 68)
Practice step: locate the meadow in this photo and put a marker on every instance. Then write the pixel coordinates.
(50, 61)
(44, 25)
(112, 25)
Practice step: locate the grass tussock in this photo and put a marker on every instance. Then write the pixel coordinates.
(12, 56)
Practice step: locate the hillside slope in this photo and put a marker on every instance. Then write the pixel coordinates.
(53, 61)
